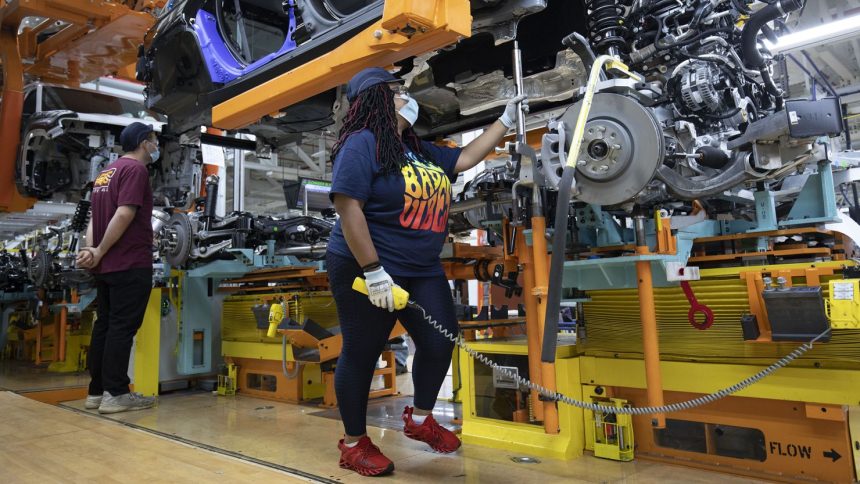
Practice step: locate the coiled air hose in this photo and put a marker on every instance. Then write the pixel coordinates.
(402, 300)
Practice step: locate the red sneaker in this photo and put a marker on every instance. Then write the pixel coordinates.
(364, 458)
(435, 435)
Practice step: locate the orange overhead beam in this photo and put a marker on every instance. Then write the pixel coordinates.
(101, 39)
(108, 50)
(436, 24)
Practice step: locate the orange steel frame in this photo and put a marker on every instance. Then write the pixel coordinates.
(533, 260)
(407, 28)
(100, 39)
(816, 433)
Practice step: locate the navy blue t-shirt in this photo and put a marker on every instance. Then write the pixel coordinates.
(406, 212)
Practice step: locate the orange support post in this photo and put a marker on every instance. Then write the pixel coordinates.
(550, 410)
(650, 337)
(11, 106)
(533, 332)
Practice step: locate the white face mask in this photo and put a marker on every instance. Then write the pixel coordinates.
(409, 112)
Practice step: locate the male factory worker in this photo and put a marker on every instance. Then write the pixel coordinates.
(392, 192)
(119, 253)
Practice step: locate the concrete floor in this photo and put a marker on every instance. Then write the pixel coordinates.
(25, 377)
(292, 437)
(300, 440)
(43, 444)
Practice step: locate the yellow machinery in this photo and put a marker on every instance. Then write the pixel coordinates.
(799, 422)
(293, 359)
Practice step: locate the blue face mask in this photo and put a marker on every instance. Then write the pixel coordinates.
(155, 154)
(409, 112)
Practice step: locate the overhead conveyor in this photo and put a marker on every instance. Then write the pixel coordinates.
(64, 42)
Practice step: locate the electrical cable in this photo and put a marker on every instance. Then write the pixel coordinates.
(594, 407)
(289, 374)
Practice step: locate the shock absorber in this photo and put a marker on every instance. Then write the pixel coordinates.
(606, 27)
(211, 204)
(81, 217)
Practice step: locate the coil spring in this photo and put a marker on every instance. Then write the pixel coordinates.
(605, 24)
(594, 407)
(82, 216)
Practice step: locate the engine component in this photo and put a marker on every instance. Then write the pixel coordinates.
(621, 151)
(197, 236)
(700, 82)
(177, 239)
(52, 265)
(41, 268)
(486, 198)
(606, 27)
(13, 272)
(82, 215)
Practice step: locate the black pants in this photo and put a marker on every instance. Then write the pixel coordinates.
(366, 328)
(122, 299)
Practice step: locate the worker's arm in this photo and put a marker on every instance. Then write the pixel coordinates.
(355, 230)
(380, 285)
(89, 235)
(85, 257)
(116, 227)
(480, 147)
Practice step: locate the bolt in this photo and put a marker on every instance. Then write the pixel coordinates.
(581, 162)
(616, 147)
(377, 34)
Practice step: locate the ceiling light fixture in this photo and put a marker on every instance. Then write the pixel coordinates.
(827, 33)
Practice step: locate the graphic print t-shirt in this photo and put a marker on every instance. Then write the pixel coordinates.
(123, 182)
(406, 212)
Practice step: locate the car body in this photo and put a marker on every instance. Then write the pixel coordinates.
(70, 134)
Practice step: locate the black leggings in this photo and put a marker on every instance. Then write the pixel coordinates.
(366, 328)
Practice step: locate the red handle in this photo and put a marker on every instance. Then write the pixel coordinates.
(697, 307)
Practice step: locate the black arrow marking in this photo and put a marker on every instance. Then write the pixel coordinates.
(832, 455)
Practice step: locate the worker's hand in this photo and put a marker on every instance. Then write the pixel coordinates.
(509, 117)
(88, 258)
(380, 288)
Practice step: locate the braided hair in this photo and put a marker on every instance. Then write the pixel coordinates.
(374, 110)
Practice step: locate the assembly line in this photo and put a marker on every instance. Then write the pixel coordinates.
(466, 240)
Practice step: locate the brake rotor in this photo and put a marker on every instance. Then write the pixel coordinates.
(39, 268)
(622, 148)
(179, 226)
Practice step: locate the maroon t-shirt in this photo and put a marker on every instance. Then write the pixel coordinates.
(124, 182)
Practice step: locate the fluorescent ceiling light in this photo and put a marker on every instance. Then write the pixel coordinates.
(829, 32)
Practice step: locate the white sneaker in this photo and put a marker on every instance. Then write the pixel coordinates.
(93, 402)
(124, 403)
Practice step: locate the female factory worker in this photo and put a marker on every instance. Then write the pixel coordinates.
(392, 192)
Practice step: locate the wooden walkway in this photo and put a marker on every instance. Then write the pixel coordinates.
(40, 443)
